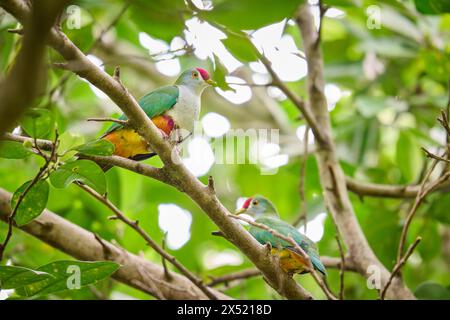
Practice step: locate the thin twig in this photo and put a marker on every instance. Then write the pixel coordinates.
(322, 9)
(112, 23)
(51, 228)
(167, 274)
(63, 80)
(425, 189)
(342, 265)
(385, 190)
(116, 74)
(151, 284)
(22, 195)
(188, 49)
(435, 156)
(121, 122)
(19, 31)
(135, 225)
(342, 268)
(239, 275)
(444, 121)
(255, 85)
(399, 265)
(106, 250)
(301, 188)
(211, 187)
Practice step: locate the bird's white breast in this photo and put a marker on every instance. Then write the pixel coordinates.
(187, 109)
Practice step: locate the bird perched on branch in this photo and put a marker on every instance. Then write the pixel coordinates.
(170, 107)
(291, 260)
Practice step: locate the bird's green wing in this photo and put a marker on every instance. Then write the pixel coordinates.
(154, 104)
(263, 237)
(283, 228)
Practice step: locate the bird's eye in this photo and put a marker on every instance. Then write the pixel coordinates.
(194, 75)
(255, 202)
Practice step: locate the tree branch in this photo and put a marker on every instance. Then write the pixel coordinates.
(121, 122)
(303, 215)
(43, 144)
(399, 265)
(331, 175)
(239, 275)
(328, 262)
(421, 195)
(82, 244)
(385, 190)
(20, 87)
(163, 253)
(360, 188)
(435, 156)
(342, 268)
(177, 173)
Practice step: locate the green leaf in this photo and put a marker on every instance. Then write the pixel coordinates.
(240, 47)
(409, 157)
(439, 207)
(432, 291)
(85, 171)
(377, 224)
(33, 203)
(392, 47)
(99, 147)
(37, 122)
(432, 6)
(369, 106)
(64, 276)
(396, 21)
(13, 150)
(67, 141)
(12, 277)
(219, 75)
(251, 14)
(430, 245)
(165, 16)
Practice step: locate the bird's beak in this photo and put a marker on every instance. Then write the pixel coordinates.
(240, 211)
(211, 82)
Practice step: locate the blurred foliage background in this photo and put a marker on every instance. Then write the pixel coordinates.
(386, 65)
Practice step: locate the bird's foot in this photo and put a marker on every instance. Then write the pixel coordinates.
(268, 248)
(164, 135)
(182, 138)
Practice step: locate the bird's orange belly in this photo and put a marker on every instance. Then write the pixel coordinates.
(290, 261)
(128, 143)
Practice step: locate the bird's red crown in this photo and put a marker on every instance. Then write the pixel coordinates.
(204, 73)
(247, 203)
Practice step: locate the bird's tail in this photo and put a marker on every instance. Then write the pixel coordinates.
(318, 265)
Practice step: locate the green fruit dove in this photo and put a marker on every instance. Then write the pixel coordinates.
(170, 107)
(291, 261)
